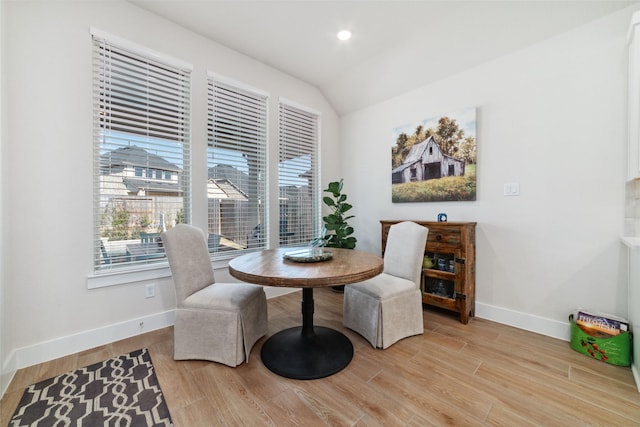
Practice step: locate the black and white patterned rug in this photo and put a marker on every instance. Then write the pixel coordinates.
(120, 392)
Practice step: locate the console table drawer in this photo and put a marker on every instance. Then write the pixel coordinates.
(438, 235)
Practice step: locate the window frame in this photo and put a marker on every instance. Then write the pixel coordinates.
(316, 195)
(255, 126)
(117, 273)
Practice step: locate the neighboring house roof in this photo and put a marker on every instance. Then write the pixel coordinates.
(231, 174)
(224, 189)
(135, 156)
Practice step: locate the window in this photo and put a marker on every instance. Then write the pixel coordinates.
(141, 124)
(298, 175)
(236, 162)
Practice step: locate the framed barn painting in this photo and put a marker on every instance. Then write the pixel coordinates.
(434, 160)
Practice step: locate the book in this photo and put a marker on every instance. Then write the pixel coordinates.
(600, 325)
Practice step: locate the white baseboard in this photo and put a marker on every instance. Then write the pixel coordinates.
(526, 321)
(636, 375)
(70, 344)
(540, 325)
(5, 380)
(59, 347)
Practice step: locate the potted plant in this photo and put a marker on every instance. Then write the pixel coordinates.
(336, 232)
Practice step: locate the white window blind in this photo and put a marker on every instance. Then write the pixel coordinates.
(141, 153)
(236, 161)
(298, 175)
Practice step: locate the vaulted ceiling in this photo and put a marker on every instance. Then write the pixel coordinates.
(396, 45)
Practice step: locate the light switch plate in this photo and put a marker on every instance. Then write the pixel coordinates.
(512, 189)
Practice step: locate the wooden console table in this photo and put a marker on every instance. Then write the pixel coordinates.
(451, 282)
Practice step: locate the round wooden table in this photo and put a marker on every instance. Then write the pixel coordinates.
(307, 351)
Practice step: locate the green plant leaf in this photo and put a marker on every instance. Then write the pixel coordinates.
(328, 201)
(350, 243)
(336, 229)
(335, 188)
(345, 207)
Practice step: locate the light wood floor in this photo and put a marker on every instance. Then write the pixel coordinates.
(482, 373)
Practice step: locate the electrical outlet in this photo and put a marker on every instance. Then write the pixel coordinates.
(150, 290)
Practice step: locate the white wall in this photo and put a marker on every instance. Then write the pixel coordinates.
(551, 117)
(48, 237)
(4, 378)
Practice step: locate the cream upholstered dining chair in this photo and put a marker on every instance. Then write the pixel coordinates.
(388, 307)
(213, 321)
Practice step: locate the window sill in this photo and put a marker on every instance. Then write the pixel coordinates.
(123, 276)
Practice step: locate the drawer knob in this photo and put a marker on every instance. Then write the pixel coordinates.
(438, 237)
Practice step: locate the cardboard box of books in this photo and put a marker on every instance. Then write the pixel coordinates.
(601, 336)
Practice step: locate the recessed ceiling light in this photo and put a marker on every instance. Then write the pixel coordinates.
(344, 35)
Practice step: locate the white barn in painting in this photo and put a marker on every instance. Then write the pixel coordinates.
(426, 161)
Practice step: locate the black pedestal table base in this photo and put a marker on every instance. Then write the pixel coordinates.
(291, 354)
(307, 352)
